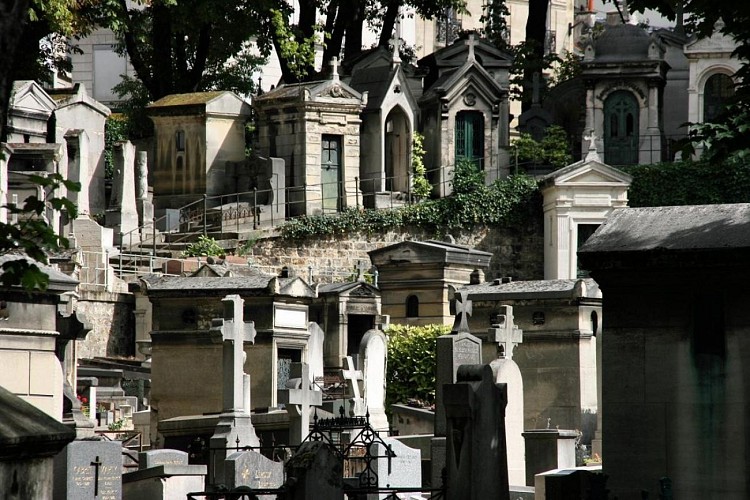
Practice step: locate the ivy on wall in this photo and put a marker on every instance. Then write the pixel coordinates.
(472, 204)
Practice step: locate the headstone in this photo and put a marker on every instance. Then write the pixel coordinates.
(235, 426)
(404, 470)
(87, 470)
(506, 334)
(374, 351)
(250, 468)
(299, 396)
(163, 475)
(315, 471)
(122, 213)
(476, 465)
(353, 377)
(315, 352)
(548, 449)
(154, 458)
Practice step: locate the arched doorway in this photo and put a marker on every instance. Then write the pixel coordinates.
(397, 150)
(718, 89)
(621, 129)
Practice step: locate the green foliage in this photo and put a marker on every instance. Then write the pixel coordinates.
(299, 54)
(115, 130)
(32, 236)
(136, 123)
(569, 67)
(506, 201)
(411, 363)
(494, 18)
(204, 247)
(552, 150)
(421, 187)
(689, 183)
(525, 63)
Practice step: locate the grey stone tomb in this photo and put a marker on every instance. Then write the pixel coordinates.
(374, 351)
(250, 468)
(89, 469)
(299, 396)
(476, 455)
(315, 472)
(403, 471)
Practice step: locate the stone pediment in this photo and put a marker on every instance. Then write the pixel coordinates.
(471, 74)
(455, 55)
(30, 97)
(716, 43)
(362, 290)
(587, 173)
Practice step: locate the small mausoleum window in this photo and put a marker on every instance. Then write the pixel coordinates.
(412, 306)
(717, 90)
(179, 141)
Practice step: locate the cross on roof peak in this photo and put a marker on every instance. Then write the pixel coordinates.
(471, 42)
(361, 270)
(335, 68)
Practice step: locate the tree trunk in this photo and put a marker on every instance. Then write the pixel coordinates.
(353, 43)
(162, 37)
(389, 22)
(536, 31)
(13, 16)
(335, 25)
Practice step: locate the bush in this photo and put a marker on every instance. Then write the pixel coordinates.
(204, 247)
(411, 363)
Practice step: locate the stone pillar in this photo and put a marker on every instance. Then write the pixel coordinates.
(143, 205)
(548, 449)
(122, 215)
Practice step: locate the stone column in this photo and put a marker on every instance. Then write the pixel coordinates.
(122, 215)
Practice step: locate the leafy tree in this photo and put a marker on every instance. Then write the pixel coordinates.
(494, 17)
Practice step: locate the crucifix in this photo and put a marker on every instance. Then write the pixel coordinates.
(352, 378)
(96, 464)
(593, 153)
(505, 333)
(234, 332)
(462, 305)
(335, 68)
(298, 397)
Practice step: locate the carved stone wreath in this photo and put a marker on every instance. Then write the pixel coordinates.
(470, 99)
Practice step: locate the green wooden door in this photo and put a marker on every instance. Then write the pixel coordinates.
(330, 175)
(621, 129)
(469, 134)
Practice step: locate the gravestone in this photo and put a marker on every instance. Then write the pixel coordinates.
(122, 214)
(235, 427)
(250, 468)
(353, 378)
(298, 397)
(506, 334)
(154, 458)
(314, 472)
(163, 475)
(403, 471)
(89, 469)
(476, 455)
(315, 352)
(374, 351)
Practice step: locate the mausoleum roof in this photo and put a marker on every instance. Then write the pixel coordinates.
(430, 251)
(58, 280)
(534, 289)
(622, 42)
(254, 284)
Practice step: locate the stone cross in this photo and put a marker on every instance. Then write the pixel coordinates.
(471, 43)
(463, 311)
(298, 397)
(352, 378)
(593, 153)
(234, 332)
(335, 68)
(396, 56)
(361, 269)
(505, 333)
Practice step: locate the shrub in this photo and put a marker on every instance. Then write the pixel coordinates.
(411, 363)
(204, 247)
(421, 187)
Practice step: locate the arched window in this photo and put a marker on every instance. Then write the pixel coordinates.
(621, 128)
(412, 306)
(718, 89)
(470, 137)
(594, 323)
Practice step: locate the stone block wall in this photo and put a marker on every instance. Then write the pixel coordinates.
(112, 321)
(517, 251)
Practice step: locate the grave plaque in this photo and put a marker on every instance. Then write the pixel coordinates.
(404, 470)
(154, 458)
(87, 470)
(250, 468)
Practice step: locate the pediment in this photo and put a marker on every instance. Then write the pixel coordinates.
(334, 89)
(296, 288)
(587, 173)
(474, 76)
(29, 96)
(362, 290)
(716, 43)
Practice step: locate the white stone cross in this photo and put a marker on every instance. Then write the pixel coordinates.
(298, 397)
(335, 68)
(505, 333)
(361, 270)
(593, 153)
(463, 311)
(471, 42)
(234, 333)
(352, 378)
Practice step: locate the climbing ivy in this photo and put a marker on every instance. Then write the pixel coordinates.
(410, 377)
(472, 204)
(421, 187)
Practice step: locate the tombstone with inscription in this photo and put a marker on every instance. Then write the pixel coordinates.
(506, 335)
(89, 469)
(315, 471)
(402, 470)
(251, 469)
(163, 475)
(453, 350)
(476, 465)
(235, 427)
(299, 396)
(374, 351)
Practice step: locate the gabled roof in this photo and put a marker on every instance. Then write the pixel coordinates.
(419, 252)
(216, 102)
(457, 81)
(30, 97)
(77, 95)
(535, 289)
(586, 173)
(350, 288)
(59, 282)
(454, 55)
(329, 91)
